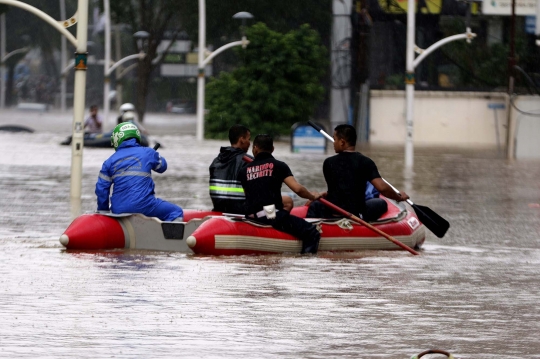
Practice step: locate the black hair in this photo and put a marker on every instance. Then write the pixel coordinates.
(264, 142)
(93, 107)
(237, 131)
(347, 133)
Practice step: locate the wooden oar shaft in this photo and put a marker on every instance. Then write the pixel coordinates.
(361, 221)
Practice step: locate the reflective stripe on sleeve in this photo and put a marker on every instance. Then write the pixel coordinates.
(132, 173)
(159, 164)
(226, 189)
(104, 177)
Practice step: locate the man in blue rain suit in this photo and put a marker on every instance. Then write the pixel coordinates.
(129, 170)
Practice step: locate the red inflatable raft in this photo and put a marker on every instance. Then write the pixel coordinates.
(230, 236)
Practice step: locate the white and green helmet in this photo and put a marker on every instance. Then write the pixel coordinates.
(122, 132)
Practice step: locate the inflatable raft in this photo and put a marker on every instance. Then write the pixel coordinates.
(230, 236)
(207, 232)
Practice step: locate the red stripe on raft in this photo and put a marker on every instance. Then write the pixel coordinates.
(190, 214)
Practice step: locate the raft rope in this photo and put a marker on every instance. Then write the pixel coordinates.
(344, 223)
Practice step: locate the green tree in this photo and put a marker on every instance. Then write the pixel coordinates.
(169, 17)
(278, 84)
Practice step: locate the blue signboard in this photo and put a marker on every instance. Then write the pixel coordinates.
(496, 106)
(530, 24)
(305, 139)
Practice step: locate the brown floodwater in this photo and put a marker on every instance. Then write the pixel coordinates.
(473, 293)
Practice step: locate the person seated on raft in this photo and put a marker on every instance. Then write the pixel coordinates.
(93, 123)
(128, 170)
(226, 190)
(262, 180)
(346, 175)
(130, 116)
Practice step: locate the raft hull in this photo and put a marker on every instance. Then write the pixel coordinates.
(132, 231)
(227, 236)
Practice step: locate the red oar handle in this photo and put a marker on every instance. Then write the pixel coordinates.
(361, 221)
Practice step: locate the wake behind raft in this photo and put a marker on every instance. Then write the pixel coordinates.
(212, 233)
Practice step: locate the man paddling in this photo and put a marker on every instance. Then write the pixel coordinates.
(262, 180)
(346, 175)
(226, 190)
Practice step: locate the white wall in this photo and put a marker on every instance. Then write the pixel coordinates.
(526, 118)
(440, 118)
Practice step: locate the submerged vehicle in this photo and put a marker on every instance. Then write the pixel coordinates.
(102, 140)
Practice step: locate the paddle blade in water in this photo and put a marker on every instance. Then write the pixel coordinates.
(431, 220)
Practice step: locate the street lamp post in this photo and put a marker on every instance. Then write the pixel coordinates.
(2, 55)
(411, 64)
(202, 62)
(63, 60)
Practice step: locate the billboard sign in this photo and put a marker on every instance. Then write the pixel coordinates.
(504, 7)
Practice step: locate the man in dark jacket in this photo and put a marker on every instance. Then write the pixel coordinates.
(226, 190)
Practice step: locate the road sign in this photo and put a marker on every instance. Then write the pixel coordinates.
(504, 7)
(530, 24)
(305, 139)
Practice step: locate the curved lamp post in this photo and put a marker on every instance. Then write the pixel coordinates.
(412, 63)
(202, 62)
(141, 36)
(107, 68)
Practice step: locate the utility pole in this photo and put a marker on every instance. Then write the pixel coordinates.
(512, 57)
(355, 60)
(364, 28)
(359, 85)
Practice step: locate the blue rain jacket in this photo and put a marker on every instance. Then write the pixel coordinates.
(129, 169)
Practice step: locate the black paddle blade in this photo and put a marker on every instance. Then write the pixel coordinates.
(315, 126)
(431, 220)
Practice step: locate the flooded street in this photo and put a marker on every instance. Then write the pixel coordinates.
(473, 293)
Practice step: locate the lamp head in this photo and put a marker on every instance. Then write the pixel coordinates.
(243, 16)
(141, 37)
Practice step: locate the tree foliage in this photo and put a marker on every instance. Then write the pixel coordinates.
(173, 16)
(277, 85)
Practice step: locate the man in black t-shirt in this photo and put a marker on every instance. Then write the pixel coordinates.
(262, 180)
(346, 175)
